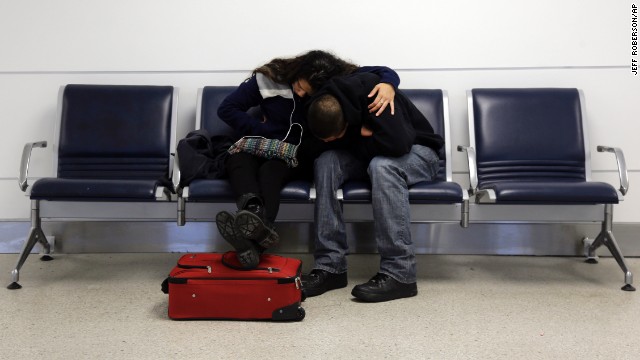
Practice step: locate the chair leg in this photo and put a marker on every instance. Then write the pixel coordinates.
(464, 216)
(35, 235)
(607, 239)
(181, 211)
(590, 247)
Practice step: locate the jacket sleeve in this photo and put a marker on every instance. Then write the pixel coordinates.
(392, 136)
(387, 75)
(233, 109)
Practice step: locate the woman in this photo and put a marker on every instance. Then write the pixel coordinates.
(279, 88)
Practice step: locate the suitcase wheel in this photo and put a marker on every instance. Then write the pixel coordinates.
(293, 312)
(301, 313)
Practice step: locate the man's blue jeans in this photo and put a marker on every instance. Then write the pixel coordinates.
(390, 180)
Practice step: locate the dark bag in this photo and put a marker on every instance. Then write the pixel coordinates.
(202, 156)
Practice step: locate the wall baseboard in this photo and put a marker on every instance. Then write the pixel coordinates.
(436, 238)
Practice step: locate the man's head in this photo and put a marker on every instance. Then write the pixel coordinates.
(325, 118)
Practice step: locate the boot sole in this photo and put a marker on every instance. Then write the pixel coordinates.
(311, 292)
(327, 286)
(251, 226)
(246, 252)
(380, 297)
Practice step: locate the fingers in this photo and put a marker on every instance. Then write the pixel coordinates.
(375, 105)
(385, 95)
(374, 91)
(382, 107)
(379, 106)
(365, 131)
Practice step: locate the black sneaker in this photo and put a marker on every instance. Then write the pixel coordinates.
(318, 282)
(383, 287)
(246, 251)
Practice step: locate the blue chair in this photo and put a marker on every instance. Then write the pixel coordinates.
(113, 145)
(530, 147)
(201, 199)
(446, 199)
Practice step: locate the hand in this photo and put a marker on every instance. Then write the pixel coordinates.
(365, 131)
(385, 93)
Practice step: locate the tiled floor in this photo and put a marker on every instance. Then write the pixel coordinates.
(109, 306)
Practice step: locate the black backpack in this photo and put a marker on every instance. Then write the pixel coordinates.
(202, 156)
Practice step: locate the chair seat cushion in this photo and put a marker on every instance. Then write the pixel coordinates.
(94, 189)
(550, 192)
(425, 192)
(219, 190)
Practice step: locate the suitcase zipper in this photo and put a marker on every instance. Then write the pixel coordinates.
(271, 270)
(184, 280)
(288, 280)
(207, 267)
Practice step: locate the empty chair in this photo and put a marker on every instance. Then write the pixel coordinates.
(530, 147)
(112, 145)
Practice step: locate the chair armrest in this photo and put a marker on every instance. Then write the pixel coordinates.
(175, 176)
(312, 192)
(24, 164)
(622, 166)
(473, 170)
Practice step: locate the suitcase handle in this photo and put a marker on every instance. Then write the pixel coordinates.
(226, 263)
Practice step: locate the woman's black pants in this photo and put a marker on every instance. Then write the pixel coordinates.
(249, 174)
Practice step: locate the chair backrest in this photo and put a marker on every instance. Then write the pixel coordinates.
(115, 131)
(528, 134)
(434, 105)
(209, 99)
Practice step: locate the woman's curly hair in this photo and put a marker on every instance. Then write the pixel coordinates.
(315, 66)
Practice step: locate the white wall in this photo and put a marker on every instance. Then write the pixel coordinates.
(453, 45)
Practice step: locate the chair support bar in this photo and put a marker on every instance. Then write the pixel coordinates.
(35, 236)
(181, 211)
(607, 239)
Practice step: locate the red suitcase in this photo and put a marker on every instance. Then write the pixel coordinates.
(214, 286)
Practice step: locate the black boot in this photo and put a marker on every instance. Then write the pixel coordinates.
(246, 251)
(251, 224)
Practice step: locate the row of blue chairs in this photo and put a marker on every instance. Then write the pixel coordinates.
(114, 147)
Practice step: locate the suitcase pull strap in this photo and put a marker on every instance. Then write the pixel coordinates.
(228, 264)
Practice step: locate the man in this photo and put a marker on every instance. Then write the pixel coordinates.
(395, 151)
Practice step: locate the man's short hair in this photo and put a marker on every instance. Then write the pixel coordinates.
(325, 117)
